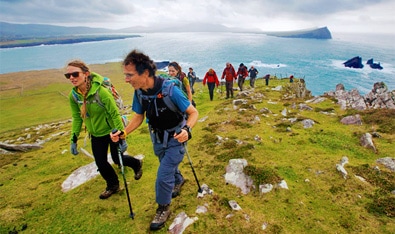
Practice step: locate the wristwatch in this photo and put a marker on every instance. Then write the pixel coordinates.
(189, 131)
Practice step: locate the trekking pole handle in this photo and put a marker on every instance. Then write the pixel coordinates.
(115, 131)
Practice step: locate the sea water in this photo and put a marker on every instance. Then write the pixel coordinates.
(319, 62)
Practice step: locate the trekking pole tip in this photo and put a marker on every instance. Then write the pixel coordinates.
(131, 215)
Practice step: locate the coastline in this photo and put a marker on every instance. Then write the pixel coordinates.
(61, 40)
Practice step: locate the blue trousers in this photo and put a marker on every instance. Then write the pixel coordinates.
(168, 174)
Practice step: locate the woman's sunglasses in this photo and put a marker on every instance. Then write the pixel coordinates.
(73, 74)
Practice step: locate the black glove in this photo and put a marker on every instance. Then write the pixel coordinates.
(123, 146)
(73, 148)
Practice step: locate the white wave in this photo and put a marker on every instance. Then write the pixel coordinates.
(258, 63)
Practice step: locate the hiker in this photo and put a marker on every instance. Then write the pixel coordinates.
(212, 80)
(291, 79)
(253, 73)
(192, 78)
(267, 78)
(242, 73)
(168, 145)
(229, 74)
(175, 71)
(99, 122)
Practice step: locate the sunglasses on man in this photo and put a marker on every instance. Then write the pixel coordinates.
(73, 74)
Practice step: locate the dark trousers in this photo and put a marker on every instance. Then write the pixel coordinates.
(229, 88)
(252, 82)
(100, 151)
(211, 87)
(240, 82)
(192, 83)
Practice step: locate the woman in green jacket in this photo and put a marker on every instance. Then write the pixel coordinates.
(100, 118)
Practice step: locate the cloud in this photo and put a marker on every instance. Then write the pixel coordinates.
(266, 15)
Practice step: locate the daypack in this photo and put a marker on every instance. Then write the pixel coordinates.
(118, 100)
(177, 81)
(110, 87)
(166, 91)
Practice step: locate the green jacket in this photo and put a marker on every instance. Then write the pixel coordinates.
(100, 120)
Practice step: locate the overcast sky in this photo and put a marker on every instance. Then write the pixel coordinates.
(374, 16)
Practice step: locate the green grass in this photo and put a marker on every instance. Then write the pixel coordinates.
(318, 200)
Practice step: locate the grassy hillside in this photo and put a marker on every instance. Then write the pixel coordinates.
(319, 199)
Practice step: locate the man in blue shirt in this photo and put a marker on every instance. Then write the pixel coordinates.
(164, 123)
(253, 73)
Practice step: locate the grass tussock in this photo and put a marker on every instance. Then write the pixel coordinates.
(383, 120)
(318, 198)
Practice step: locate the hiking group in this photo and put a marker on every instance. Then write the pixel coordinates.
(230, 75)
(169, 129)
(164, 101)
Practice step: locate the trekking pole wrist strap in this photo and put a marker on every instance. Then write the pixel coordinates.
(123, 134)
(189, 131)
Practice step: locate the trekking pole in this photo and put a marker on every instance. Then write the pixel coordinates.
(131, 215)
(190, 163)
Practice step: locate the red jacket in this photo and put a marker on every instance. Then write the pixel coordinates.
(229, 73)
(210, 78)
(242, 72)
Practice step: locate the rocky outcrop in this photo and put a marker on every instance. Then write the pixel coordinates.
(374, 65)
(355, 62)
(297, 90)
(379, 98)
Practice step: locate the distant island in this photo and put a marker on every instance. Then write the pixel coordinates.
(318, 33)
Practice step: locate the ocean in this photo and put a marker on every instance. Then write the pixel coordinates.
(319, 62)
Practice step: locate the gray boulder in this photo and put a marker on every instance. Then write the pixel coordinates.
(366, 141)
(354, 119)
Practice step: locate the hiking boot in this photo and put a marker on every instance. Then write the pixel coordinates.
(139, 172)
(108, 192)
(177, 189)
(162, 214)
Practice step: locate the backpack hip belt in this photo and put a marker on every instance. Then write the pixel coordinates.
(166, 133)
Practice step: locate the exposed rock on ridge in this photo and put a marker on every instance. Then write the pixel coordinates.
(379, 98)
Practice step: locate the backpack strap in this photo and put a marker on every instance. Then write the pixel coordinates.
(167, 92)
(76, 97)
(98, 100)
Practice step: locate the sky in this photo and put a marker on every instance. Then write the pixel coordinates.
(365, 16)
